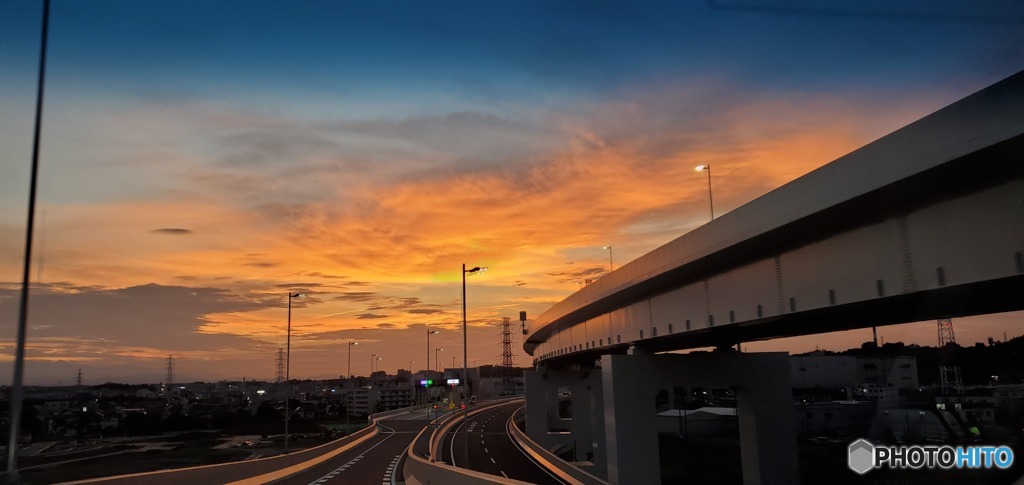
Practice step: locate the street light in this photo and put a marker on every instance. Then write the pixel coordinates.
(348, 393)
(436, 361)
(611, 266)
(465, 351)
(429, 331)
(373, 360)
(288, 370)
(350, 344)
(711, 200)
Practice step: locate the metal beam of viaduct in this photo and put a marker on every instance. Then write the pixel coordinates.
(924, 223)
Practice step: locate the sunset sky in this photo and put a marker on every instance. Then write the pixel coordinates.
(201, 158)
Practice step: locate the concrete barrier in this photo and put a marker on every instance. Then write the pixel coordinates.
(548, 460)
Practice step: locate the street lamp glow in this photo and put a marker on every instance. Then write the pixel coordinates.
(711, 200)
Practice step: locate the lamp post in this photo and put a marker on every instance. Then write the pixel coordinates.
(436, 361)
(288, 370)
(429, 331)
(348, 394)
(350, 344)
(711, 200)
(611, 266)
(373, 361)
(465, 352)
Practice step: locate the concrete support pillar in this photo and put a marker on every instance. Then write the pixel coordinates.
(767, 422)
(764, 411)
(538, 403)
(631, 438)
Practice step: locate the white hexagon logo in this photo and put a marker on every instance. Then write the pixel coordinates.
(861, 458)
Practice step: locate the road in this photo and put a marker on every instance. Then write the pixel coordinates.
(484, 445)
(374, 461)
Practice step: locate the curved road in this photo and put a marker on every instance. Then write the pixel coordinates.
(374, 461)
(484, 445)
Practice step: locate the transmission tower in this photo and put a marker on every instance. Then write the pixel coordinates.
(280, 361)
(949, 375)
(169, 378)
(507, 359)
(506, 342)
(78, 379)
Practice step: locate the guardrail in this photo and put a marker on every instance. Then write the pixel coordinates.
(260, 470)
(547, 459)
(419, 470)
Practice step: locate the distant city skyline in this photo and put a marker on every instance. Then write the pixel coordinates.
(200, 160)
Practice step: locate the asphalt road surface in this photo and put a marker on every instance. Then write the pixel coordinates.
(374, 461)
(484, 445)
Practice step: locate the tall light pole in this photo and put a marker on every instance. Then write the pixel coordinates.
(711, 200)
(611, 266)
(465, 351)
(429, 331)
(288, 370)
(436, 361)
(711, 204)
(350, 344)
(17, 388)
(348, 393)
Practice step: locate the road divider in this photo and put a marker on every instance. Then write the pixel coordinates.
(548, 460)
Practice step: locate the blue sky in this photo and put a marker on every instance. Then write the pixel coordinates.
(378, 145)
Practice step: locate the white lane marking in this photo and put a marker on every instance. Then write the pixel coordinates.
(455, 433)
(393, 469)
(503, 474)
(492, 461)
(485, 450)
(350, 463)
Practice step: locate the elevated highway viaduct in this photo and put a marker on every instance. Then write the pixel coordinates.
(924, 223)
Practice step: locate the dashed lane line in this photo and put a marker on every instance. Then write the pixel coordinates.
(351, 462)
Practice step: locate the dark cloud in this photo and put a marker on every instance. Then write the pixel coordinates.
(261, 264)
(298, 285)
(577, 275)
(166, 317)
(520, 283)
(386, 325)
(361, 296)
(370, 316)
(172, 230)
(318, 274)
(425, 311)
